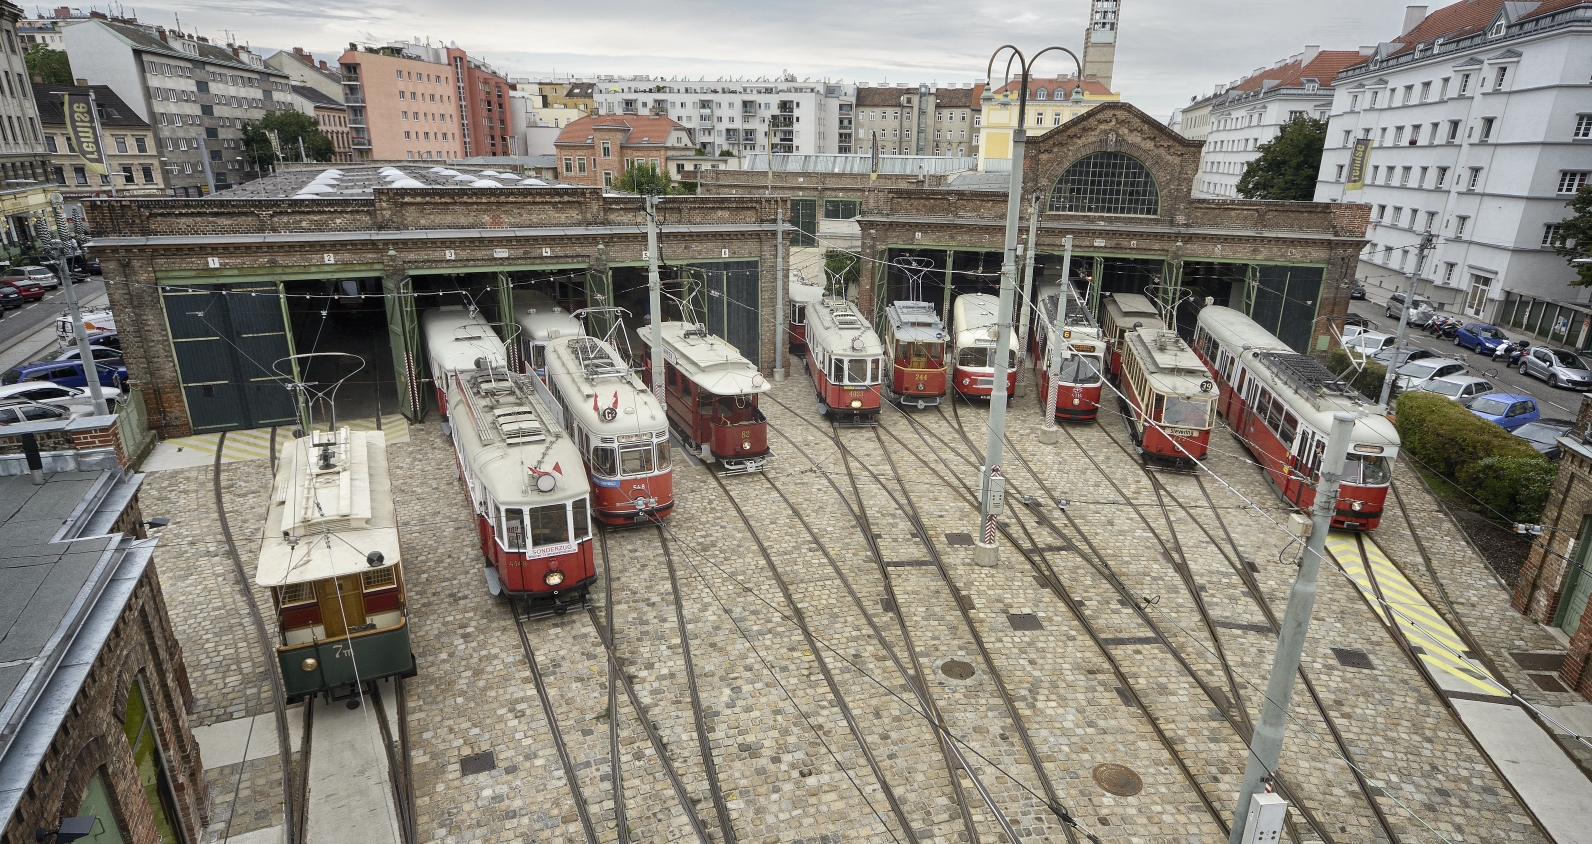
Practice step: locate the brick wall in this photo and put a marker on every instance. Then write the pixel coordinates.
(142, 645)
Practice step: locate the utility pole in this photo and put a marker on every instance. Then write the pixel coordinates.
(303, 157)
(204, 159)
(1028, 276)
(1427, 241)
(1266, 745)
(57, 243)
(655, 298)
(1050, 435)
(779, 294)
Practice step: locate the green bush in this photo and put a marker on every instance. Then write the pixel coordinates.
(1503, 471)
(1368, 380)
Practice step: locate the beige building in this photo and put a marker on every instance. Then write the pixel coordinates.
(331, 116)
(302, 69)
(1051, 102)
(132, 156)
(918, 120)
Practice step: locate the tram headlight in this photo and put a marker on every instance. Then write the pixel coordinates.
(1355, 506)
(856, 403)
(553, 577)
(309, 664)
(746, 446)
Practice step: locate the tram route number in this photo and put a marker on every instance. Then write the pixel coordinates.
(1180, 432)
(340, 649)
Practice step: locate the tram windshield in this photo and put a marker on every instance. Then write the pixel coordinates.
(1081, 369)
(1366, 470)
(854, 370)
(734, 409)
(549, 525)
(983, 356)
(1184, 412)
(632, 459)
(920, 355)
(636, 460)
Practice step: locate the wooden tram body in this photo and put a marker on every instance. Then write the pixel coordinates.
(1280, 404)
(975, 327)
(621, 431)
(711, 394)
(331, 559)
(1119, 314)
(914, 343)
(541, 321)
(1083, 364)
(802, 297)
(845, 358)
(1169, 393)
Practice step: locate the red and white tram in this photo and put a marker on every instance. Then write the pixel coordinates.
(802, 297)
(619, 427)
(541, 321)
(1119, 314)
(845, 358)
(1083, 355)
(975, 326)
(914, 343)
(1169, 394)
(1281, 403)
(711, 393)
(531, 499)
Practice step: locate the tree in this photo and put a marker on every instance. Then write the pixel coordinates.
(645, 178)
(1288, 164)
(290, 127)
(49, 66)
(1574, 239)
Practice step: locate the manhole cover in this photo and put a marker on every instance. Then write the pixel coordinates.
(957, 669)
(1117, 779)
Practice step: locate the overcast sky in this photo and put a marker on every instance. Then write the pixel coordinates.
(1168, 50)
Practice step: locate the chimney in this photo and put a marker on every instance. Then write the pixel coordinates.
(1309, 55)
(81, 83)
(1368, 51)
(63, 12)
(323, 65)
(1413, 15)
(161, 31)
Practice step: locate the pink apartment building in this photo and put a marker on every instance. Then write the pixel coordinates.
(422, 103)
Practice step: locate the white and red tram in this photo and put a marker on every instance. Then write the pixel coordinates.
(522, 473)
(975, 326)
(1169, 393)
(541, 321)
(802, 297)
(711, 395)
(914, 343)
(1119, 314)
(1083, 354)
(620, 429)
(845, 358)
(1280, 404)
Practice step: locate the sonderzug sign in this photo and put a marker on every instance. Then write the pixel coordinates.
(80, 124)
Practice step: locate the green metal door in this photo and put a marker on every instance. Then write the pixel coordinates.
(804, 214)
(1577, 585)
(509, 330)
(226, 340)
(403, 334)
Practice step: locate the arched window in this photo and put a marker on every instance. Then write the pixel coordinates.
(1106, 183)
(1041, 93)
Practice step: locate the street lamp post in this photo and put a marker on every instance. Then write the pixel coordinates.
(1428, 240)
(992, 484)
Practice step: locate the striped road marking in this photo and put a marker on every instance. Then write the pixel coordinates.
(1421, 625)
(255, 443)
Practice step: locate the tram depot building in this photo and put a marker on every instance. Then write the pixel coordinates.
(210, 293)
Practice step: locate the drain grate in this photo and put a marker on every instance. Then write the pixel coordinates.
(1024, 621)
(1548, 682)
(1537, 661)
(959, 539)
(1117, 779)
(1349, 658)
(477, 763)
(887, 605)
(956, 669)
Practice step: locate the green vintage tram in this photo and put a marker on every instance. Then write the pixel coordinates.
(330, 557)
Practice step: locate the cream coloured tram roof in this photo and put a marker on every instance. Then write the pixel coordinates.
(1127, 308)
(709, 361)
(974, 319)
(542, 319)
(1171, 366)
(1234, 330)
(455, 338)
(915, 321)
(804, 293)
(502, 466)
(836, 326)
(321, 523)
(604, 375)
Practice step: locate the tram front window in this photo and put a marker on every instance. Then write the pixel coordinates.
(861, 370)
(549, 525)
(972, 356)
(920, 355)
(636, 460)
(1366, 470)
(582, 519)
(602, 461)
(1186, 413)
(512, 530)
(1080, 370)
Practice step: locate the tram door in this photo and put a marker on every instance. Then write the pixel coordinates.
(342, 602)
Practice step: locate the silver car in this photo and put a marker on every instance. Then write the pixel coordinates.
(1411, 376)
(1557, 367)
(1420, 314)
(1460, 388)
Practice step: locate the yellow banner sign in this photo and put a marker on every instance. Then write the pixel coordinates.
(80, 124)
(1357, 162)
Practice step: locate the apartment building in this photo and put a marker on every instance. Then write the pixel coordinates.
(918, 120)
(740, 116)
(1481, 120)
(1051, 102)
(1193, 121)
(303, 70)
(196, 96)
(331, 117)
(421, 102)
(132, 154)
(1248, 112)
(597, 149)
(22, 158)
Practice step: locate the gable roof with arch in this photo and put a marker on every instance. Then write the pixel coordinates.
(1171, 159)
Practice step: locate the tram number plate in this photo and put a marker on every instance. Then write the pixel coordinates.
(1180, 432)
(853, 389)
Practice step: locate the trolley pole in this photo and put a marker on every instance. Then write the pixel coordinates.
(1427, 241)
(655, 298)
(779, 295)
(1266, 746)
(1049, 435)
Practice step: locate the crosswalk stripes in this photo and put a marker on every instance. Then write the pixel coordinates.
(255, 443)
(1422, 626)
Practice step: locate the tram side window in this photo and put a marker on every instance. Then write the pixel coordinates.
(798, 314)
(663, 455)
(549, 525)
(511, 532)
(602, 461)
(636, 460)
(837, 371)
(538, 356)
(381, 578)
(582, 519)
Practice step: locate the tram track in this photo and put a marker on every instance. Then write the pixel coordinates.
(571, 778)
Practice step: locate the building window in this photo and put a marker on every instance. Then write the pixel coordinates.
(1348, 135)
(842, 209)
(1477, 298)
(49, 143)
(149, 760)
(1448, 272)
(1583, 127)
(149, 174)
(1475, 178)
(1339, 176)
(140, 145)
(79, 175)
(1464, 84)
(1571, 181)
(608, 151)
(1550, 235)
(1486, 129)
(1354, 102)
(1376, 170)
(1498, 81)
(608, 178)
(1459, 226)
(1404, 176)
(1381, 213)
(1426, 91)
(1431, 220)
(580, 166)
(1106, 183)
(1442, 177)
(569, 164)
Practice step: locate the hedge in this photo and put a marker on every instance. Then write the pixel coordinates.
(1368, 380)
(1503, 471)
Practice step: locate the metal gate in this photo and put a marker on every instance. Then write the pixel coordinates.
(226, 339)
(1577, 584)
(804, 214)
(403, 334)
(731, 304)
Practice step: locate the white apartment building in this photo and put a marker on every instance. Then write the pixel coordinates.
(1248, 112)
(738, 115)
(1481, 120)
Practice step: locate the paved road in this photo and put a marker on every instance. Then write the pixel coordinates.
(1555, 402)
(19, 326)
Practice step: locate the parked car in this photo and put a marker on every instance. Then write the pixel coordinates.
(1460, 388)
(1357, 291)
(43, 275)
(101, 354)
(1368, 343)
(1420, 313)
(21, 410)
(66, 373)
(1480, 338)
(30, 291)
(1386, 355)
(1557, 367)
(1507, 410)
(1544, 435)
(1415, 373)
(45, 392)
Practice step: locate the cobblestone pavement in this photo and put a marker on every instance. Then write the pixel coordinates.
(790, 767)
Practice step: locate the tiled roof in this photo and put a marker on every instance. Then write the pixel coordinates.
(316, 97)
(953, 97)
(1090, 87)
(882, 96)
(641, 130)
(1324, 68)
(113, 111)
(1466, 17)
(580, 90)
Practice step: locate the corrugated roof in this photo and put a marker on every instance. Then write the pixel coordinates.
(1324, 68)
(113, 111)
(650, 130)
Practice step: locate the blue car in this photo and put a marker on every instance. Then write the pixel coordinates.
(67, 373)
(1480, 338)
(1507, 410)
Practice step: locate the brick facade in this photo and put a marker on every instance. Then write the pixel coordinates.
(1543, 578)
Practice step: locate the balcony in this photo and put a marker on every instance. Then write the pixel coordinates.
(353, 99)
(357, 142)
